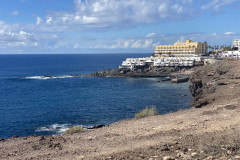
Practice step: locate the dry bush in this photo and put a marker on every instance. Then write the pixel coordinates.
(147, 112)
(74, 129)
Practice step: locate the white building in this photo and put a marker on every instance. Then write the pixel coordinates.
(231, 54)
(235, 53)
(160, 62)
(236, 43)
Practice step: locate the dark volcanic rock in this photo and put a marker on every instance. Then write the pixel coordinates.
(2, 139)
(139, 72)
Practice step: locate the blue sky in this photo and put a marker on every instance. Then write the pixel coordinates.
(113, 26)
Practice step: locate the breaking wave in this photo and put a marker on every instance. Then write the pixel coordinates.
(50, 77)
(57, 129)
(54, 128)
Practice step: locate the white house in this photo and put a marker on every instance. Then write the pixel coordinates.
(236, 43)
(160, 61)
(231, 54)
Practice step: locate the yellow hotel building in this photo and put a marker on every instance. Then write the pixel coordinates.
(186, 49)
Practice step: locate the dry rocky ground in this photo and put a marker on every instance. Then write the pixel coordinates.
(211, 131)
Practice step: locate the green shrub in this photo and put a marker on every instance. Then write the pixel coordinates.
(147, 112)
(74, 129)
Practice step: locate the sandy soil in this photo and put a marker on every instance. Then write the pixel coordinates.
(210, 132)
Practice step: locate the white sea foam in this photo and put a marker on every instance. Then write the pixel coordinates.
(65, 76)
(37, 77)
(55, 128)
(49, 77)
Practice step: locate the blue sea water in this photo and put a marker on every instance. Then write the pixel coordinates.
(31, 105)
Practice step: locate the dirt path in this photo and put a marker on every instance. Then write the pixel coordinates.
(211, 132)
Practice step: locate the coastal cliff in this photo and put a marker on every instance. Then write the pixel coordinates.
(211, 82)
(209, 130)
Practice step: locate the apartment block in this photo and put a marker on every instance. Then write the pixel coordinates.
(186, 49)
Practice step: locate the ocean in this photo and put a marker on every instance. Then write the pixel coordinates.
(32, 105)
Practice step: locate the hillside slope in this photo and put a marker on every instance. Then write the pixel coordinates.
(209, 132)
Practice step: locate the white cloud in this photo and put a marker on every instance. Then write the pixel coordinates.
(39, 21)
(150, 35)
(17, 44)
(156, 44)
(23, 33)
(35, 44)
(178, 8)
(117, 14)
(218, 4)
(22, 39)
(49, 20)
(51, 43)
(182, 39)
(88, 20)
(105, 15)
(137, 44)
(76, 46)
(148, 44)
(127, 44)
(15, 13)
(227, 33)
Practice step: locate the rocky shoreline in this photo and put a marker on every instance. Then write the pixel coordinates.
(209, 130)
(147, 71)
(140, 72)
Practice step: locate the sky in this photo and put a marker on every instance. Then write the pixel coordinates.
(113, 26)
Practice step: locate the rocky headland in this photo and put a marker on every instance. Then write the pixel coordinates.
(148, 71)
(209, 130)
